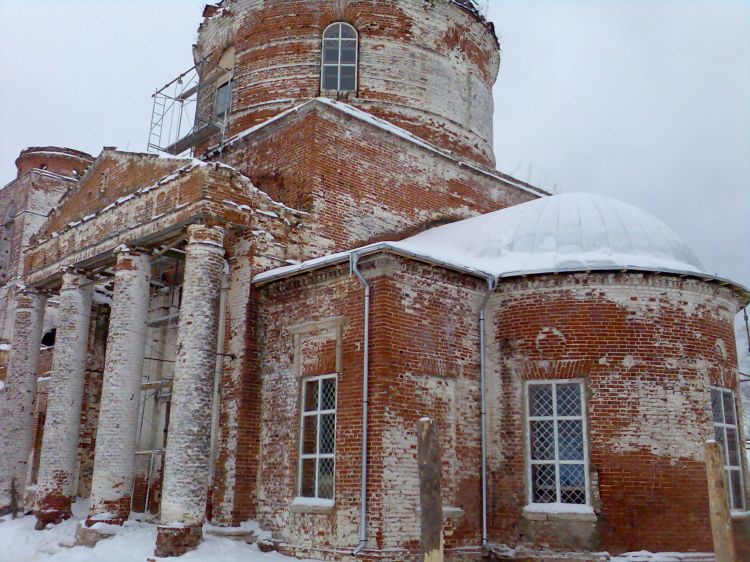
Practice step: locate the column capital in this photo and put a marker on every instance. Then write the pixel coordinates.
(73, 278)
(28, 294)
(204, 234)
(131, 259)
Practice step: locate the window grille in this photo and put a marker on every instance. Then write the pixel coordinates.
(724, 415)
(318, 437)
(339, 68)
(557, 452)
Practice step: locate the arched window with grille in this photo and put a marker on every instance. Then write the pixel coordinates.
(340, 58)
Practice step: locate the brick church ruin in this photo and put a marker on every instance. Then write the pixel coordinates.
(252, 331)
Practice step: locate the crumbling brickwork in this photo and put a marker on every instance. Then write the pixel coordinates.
(397, 187)
(278, 53)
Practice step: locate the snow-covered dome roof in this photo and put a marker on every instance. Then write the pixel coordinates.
(570, 232)
(555, 234)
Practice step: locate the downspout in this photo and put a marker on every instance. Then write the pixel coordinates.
(353, 263)
(491, 286)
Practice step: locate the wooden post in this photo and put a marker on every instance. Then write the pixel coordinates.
(430, 482)
(718, 498)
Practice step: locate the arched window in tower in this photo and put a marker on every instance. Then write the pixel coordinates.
(339, 68)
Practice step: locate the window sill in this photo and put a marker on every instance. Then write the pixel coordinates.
(311, 505)
(559, 512)
(739, 515)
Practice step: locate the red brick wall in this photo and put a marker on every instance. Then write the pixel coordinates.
(648, 348)
(424, 361)
(150, 210)
(280, 309)
(428, 67)
(377, 187)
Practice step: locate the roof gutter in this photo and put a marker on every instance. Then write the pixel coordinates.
(334, 259)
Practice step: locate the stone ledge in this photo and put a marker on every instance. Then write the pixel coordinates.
(559, 513)
(228, 532)
(310, 505)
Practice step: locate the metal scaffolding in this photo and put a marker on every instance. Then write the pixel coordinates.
(184, 110)
(158, 374)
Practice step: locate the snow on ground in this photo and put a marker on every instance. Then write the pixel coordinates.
(19, 542)
(645, 556)
(640, 556)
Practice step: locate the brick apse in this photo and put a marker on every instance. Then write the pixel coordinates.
(251, 332)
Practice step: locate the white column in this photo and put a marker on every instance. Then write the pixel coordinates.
(18, 413)
(186, 471)
(61, 429)
(117, 432)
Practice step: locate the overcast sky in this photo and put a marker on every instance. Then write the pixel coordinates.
(647, 101)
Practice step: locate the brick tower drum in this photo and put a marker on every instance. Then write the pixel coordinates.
(428, 67)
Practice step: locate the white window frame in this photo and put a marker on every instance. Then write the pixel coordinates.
(729, 468)
(317, 456)
(557, 462)
(339, 64)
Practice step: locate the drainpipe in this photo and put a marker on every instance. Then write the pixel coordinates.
(353, 263)
(491, 286)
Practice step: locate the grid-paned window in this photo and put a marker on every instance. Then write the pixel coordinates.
(557, 453)
(318, 437)
(727, 435)
(339, 68)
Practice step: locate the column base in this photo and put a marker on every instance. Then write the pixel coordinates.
(51, 516)
(54, 509)
(176, 541)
